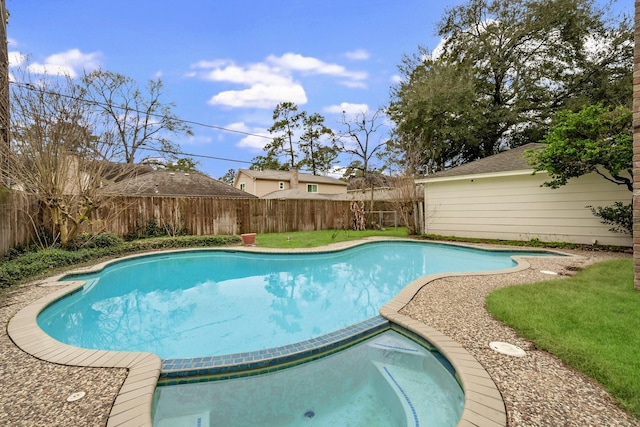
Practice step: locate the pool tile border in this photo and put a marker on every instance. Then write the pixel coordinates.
(132, 407)
(261, 359)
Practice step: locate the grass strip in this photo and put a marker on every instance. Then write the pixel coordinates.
(310, 239)
(590, 321)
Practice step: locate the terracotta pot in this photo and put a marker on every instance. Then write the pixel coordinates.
(248, 239)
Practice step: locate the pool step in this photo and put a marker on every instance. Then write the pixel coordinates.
(397, 344)
(420, 391)
(201, 419)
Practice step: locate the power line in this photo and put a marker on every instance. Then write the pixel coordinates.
(107, 105)
(180, 153)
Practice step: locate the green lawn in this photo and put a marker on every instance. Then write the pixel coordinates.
(591, 321)
(309, 239)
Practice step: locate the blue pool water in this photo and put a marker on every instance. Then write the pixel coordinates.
(201, 303)
(385, 381)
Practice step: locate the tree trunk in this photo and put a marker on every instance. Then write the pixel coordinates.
(636, 149)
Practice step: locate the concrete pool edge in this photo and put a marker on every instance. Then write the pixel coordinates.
(133, 404)
(483, 403)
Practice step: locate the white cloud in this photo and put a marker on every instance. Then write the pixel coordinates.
(16, 59)
(255, 141)
(395, 79)
(347, 108)
(353, 84)
(358, 55)
(252, 74)
(307, 64)
(197, 140)
(70, 63)
(261, 96)
(271, 81)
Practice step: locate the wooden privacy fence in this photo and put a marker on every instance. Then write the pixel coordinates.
(131, 215)
(206, 215)
(17, 213)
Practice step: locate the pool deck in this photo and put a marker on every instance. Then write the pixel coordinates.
(484, 400)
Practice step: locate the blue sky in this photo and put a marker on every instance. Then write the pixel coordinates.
(227, 63)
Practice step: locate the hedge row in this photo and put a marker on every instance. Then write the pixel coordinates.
(20, 268)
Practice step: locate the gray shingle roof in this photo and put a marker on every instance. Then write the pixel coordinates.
(296, 194)
(505, 161)
(163, 183)
(273, 175)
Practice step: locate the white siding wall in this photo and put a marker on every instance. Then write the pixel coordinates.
(518, 208)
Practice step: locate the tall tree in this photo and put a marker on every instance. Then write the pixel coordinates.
(229, 177)
(359, 138)
(55, 154)
(300, 138)
(318, 156)
(513, 65)
(287, 120)
(268, 162)
(134, 118)
(436, 122)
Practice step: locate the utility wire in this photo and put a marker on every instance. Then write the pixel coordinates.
(107, 105)
(180, 153)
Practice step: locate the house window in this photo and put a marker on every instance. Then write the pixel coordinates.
(243, 186)
(312, 188)
(281, 185)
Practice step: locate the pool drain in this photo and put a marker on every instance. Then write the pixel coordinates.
(309, 414)
(76, 396)
(506, 348)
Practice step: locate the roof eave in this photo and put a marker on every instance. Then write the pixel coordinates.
(427, 180)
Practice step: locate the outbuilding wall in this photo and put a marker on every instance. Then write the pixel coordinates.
(517, 207)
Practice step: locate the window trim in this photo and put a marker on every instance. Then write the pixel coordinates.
(311, 187)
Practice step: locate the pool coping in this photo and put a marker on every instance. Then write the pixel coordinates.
(133, 405)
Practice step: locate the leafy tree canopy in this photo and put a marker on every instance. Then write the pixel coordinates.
(595, 139)
(301, 138)
(229, 177)
(504, 69)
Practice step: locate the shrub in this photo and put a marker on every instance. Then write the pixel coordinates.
(30, 265)
(152, 229)
(100, 240)
(619, 216)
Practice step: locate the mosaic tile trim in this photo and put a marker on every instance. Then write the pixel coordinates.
(406, 397)
(233, 364)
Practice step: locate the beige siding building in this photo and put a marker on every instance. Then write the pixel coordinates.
(499, 198)
(263, 183)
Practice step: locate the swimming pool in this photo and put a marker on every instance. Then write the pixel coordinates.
(203, 303)
(133, 405)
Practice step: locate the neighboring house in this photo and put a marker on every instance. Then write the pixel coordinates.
(498, 197)
(273, 183)
(179, 184)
